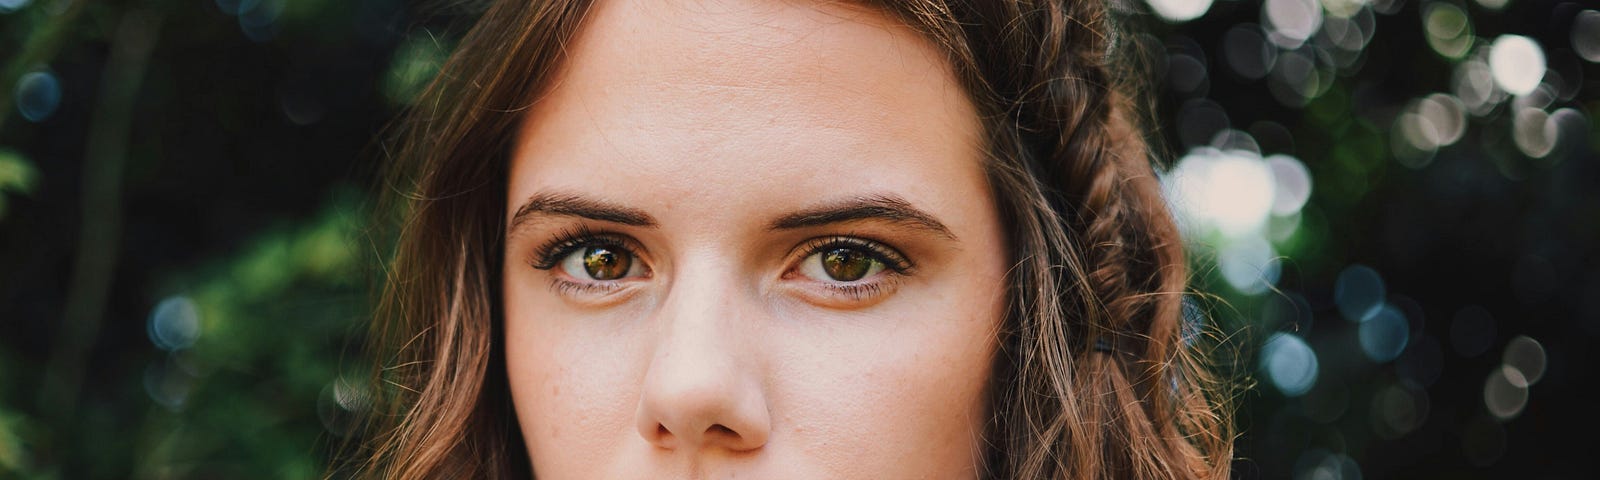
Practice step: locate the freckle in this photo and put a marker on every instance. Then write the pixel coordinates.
(555, 390)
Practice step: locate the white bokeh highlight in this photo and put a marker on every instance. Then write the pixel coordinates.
(1179, 10)
(1517, 62)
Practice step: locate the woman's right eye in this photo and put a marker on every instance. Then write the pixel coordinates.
(601, 263)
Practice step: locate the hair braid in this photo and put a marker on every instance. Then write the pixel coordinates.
(1119, 275)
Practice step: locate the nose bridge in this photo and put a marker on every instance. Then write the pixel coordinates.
(703, 388)
(705, 291)
(696, 346)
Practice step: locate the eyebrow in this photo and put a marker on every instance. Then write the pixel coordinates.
(569, 205)
(889, 208)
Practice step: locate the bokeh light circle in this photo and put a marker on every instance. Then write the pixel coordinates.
(1349, 33)
(1290, 22)
(1292, 184)
(1586, 35)
(174, 324)
(1446, 115)
(1236, 140)
(1229, 192)
(1359, 292)
(1344, 8)
(1505, 393)
(1531, 131)
(37, 95)
(341, 405)
(1527, 356)
(1289, 363)
(1320, 464)
(1397, 410)
(1517, 63)
(1493, 4)
(1179, 10)
(1474, 85)
(167, 384)
(1247, 52)
(1249, 264)
(1448, 28)
(1384, 334)
(1418, 131)
(1568, 129)
(1186, 74)
(1242, 193)
(8, 6)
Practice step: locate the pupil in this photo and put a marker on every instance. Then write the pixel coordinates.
(846, 264)
(604, 264)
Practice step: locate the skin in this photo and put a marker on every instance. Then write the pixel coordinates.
(722, 354)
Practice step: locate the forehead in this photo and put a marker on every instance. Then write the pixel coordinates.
(767, 91)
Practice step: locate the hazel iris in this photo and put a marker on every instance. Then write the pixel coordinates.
(602, 263)
(846, 264)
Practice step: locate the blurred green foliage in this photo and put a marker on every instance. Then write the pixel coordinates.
(244, 399)
(17, 176)
(415, 63)
(240, 281)
(254, 394)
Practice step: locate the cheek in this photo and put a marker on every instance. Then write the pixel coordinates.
(904, 389)
(571, 392)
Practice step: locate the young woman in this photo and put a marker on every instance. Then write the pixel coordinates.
(785, 239)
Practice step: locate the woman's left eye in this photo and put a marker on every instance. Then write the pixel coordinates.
(841, 264)
(601, 263)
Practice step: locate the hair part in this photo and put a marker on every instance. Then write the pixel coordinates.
(1097, 257)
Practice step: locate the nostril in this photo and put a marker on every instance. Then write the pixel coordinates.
(724, 436)
(729, 438)
(662, 432)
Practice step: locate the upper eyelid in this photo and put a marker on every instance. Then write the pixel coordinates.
(895, 259)
(549, 254)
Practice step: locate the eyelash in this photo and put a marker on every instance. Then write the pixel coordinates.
(891, 258)
(549, 255)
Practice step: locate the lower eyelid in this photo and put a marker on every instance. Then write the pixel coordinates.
(885, 283)
(857, 289)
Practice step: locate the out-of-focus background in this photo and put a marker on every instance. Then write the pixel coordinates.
(1395, 202)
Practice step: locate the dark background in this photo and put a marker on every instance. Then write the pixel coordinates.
(186, 188)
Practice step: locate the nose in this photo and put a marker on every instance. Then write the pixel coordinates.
(703, 389)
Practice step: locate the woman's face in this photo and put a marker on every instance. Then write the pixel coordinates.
(751, 239)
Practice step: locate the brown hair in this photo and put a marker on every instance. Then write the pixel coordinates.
(1096, 377)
